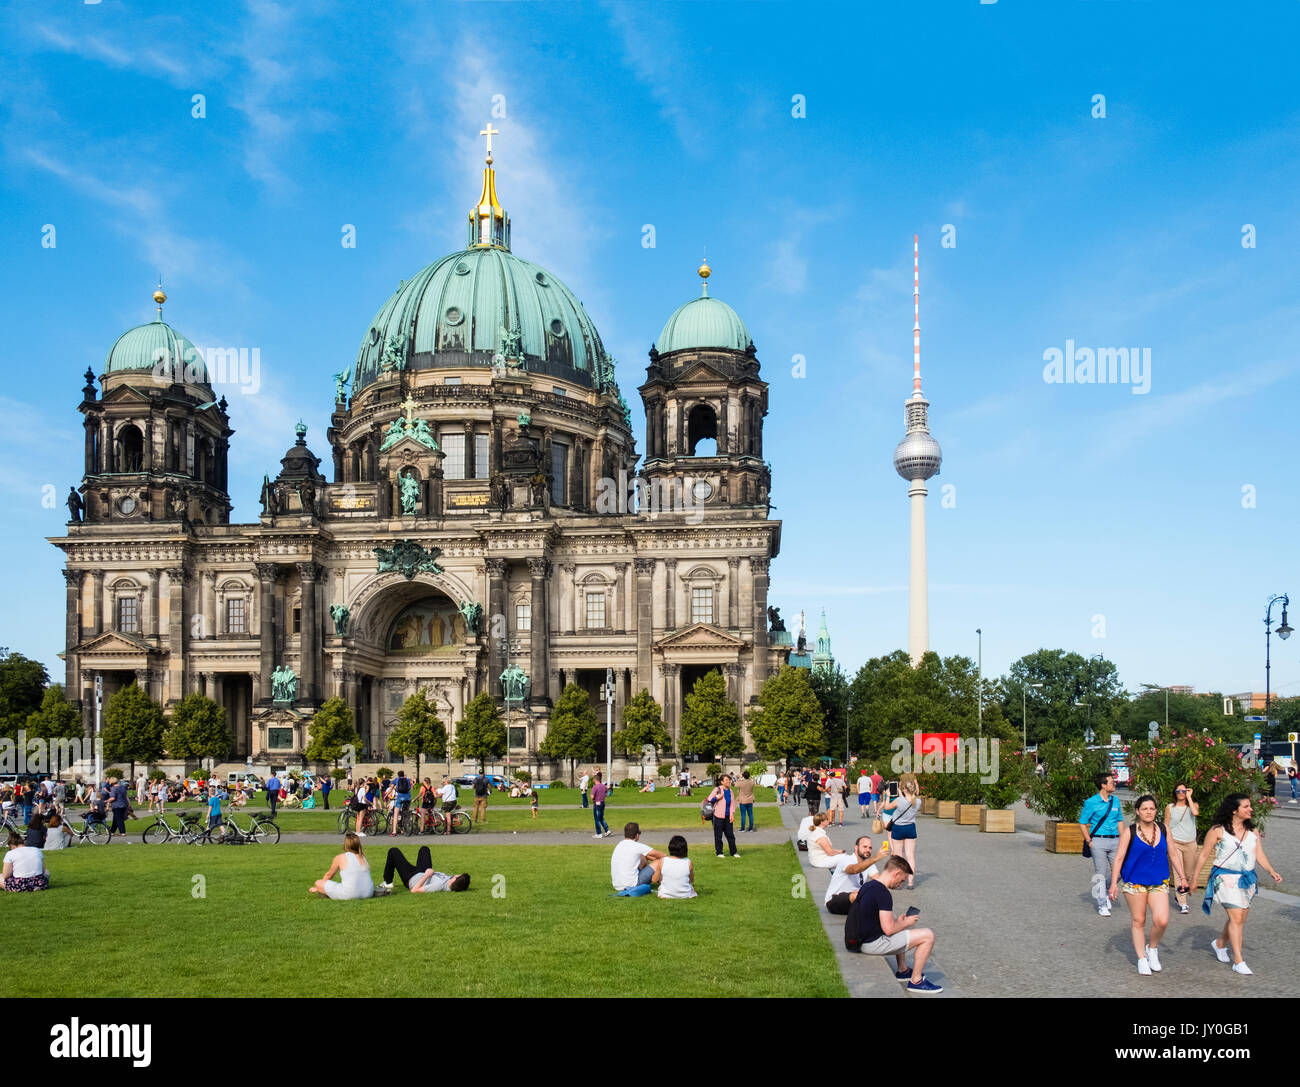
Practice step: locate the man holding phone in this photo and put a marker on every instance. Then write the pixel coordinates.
(872, 928)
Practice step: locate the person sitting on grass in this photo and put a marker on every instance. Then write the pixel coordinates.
(57, 834)
(676, 871)
(353, 870)
(872, 928)
(648, 787)
(420, 878)
(633, 864)
(24, 868)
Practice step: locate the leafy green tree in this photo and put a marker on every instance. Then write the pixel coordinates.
(1077, 693)
(831, 690)
(197, 729)
(332, 730)
(133, 727)
(1201, 713)
(789, 720)
(710, 720)
(22, 687)
(481, 734)
(57, 719)
(418, 730)
(643, 724)
(573, 732)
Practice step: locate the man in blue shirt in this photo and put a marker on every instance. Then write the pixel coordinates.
(273, 792)
(119, 804)
(1099, 821)
(327, 783)
(215, 797)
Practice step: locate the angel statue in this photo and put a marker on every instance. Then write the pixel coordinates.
(340, 385)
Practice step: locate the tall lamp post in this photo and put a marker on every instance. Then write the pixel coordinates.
(1157, 687)
(1283, 632)
(979, 682)
(1024, 713)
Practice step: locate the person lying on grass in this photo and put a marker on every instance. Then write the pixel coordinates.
(354, 873)
(420, 876)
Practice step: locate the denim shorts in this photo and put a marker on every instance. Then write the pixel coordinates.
(903, 833)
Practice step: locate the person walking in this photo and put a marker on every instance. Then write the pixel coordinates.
(481, 791)
(273, 791)
(902, 826)
(1294, 779)
(1099, 820)
(864, 796)
(1142, 870)
(1232, 883)
(797, 787)
(599, 790)
(1180, 826)
(724, 815)
(326, 787)
(584, 785)
(780, 790)
(876, 782)
(119, 804)
(745, 799)
(813, 793)
(835, 793)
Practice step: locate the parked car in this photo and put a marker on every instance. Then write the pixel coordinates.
(496, 781)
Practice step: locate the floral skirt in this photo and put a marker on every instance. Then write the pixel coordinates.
(28, 883)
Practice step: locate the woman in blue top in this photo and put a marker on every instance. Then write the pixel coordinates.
(1142, 869)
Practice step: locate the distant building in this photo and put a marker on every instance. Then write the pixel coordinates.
(819, 661)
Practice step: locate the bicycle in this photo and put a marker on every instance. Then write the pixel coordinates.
(259, 830)
(161, 832)
(372, 822)
(96, 833)
(457, 821)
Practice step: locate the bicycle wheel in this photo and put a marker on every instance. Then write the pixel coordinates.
(97, 833)
(461, 822)
(155, 834)
(265, 832)
(346, 820)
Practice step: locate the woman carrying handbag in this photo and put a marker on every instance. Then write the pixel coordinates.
(724, 815)
(902, 811)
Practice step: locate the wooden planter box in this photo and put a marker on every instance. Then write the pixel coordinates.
(969, 815)
(929, 806)
(946, 809)
(1062, 837)
(998, 820)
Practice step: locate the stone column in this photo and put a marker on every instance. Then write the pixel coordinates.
(569, 598)
(96, 603)
(142, 681)
(217, 691)
(177, 635)
(540, 569)
(209, 604)
(106, 447)
(469, 449)
(618, 605)
(620, 694)
(497, 646)
(376, 716)
(645, 569)
(758, 572)
(154, 626)
(670, 594)
(351, 694)
(256, 678)
(309, 634)
(735, 675)
(672, 702)
(266, 572)
(555, 684)
(733, 593)
(71, 629)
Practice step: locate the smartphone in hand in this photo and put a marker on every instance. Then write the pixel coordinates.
(912, 911)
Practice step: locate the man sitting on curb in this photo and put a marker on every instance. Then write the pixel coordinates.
(634, 865)
(849, 872)
(873, 929)
(420, 876)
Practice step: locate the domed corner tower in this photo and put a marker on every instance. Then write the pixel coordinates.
(157, 439)
(482, 381)
(703, 386)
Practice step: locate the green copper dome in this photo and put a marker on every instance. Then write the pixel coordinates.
(483, 306)
(703, 322)
(146, 348)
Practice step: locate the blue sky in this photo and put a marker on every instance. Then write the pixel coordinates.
(1069, 502)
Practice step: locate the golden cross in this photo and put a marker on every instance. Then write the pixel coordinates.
(408, 406)
(489, 132)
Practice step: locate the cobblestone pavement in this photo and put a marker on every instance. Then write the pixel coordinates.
(1014, 920)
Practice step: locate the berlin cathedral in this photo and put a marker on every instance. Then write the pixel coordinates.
(484, 521)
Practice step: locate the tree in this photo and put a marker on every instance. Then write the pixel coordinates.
(831, 689)
(198, 729)
(133, 727)
(1077, 693)
(332, 730)
(482, 732)
(789, 720)
(22, 687)
(643, 724)
(57, 719)
(710, 721)
(573, 731)
(418, 730)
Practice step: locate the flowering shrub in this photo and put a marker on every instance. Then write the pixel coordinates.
(1069, 778)
(1212, 770)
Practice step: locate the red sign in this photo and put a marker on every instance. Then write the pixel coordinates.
(943, 743)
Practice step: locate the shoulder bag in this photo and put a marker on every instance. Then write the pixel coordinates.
(1087, 849)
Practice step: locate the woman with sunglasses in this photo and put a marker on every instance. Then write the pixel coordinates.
(1180, 826)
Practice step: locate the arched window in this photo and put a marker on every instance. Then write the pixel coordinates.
(702, 426)
(130, 449)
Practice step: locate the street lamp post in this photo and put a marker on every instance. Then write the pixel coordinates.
(1283, 632)
(1024, 713)
(979, 682)
(1157, 687)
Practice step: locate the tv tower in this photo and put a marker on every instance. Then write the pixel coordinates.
(916, 458)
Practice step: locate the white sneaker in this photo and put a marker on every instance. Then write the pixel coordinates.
(361, 834)
(1241, 968)
(386, 886)
(1183, 909)
(1144, 968)
(1103, 911)
(598, 836)
(718, 855)
(1153, 957)
(1221, 952)
(736, 855)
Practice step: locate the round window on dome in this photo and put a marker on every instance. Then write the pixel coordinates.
(374, 335)
(557, 327)
(461, 268)
(454, 316)
(542, 280)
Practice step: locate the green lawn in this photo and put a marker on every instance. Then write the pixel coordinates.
(537, 921)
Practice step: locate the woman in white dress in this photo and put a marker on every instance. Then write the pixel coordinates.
(354, 873)
(677, 873)
(821, 854)
(1232, 882)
